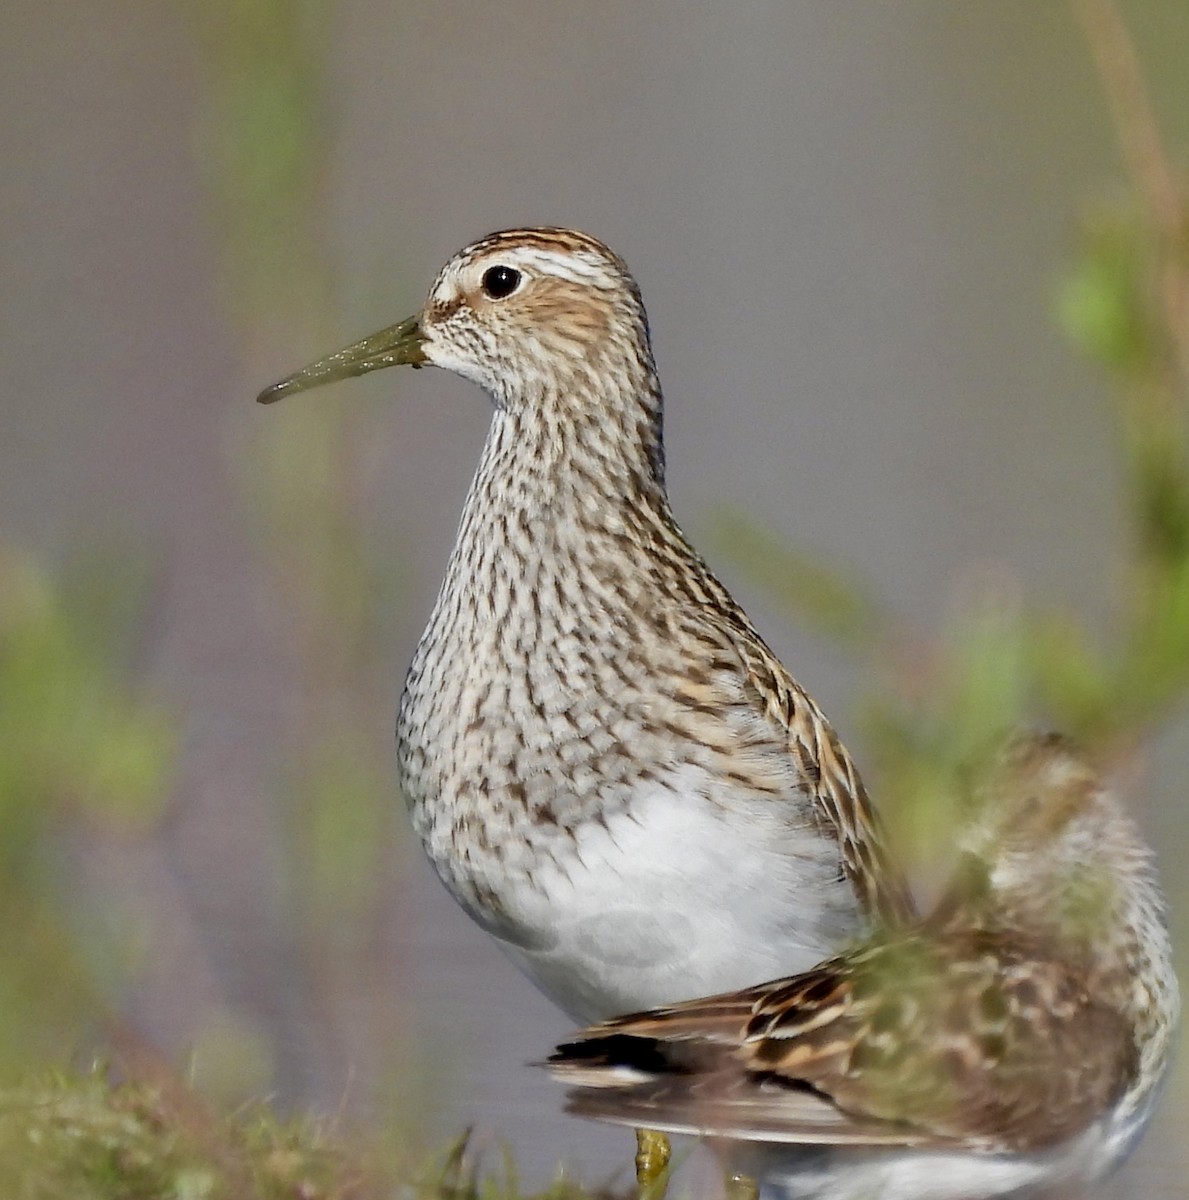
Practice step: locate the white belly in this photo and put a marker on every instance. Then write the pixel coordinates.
(815, 1173)
(681, 898)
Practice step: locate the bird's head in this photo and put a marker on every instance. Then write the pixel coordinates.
(1051, 842)
(527, 314)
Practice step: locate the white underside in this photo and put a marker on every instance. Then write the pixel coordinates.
(679, 899)
(852, 1174)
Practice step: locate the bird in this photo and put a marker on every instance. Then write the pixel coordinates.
(1014, 1039)
(607, 766)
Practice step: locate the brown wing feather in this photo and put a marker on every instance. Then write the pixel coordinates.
(909, 1041)
(827, 771)
(970, 1035)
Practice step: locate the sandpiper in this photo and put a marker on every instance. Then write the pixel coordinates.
(607, 766)
(1014, 1039)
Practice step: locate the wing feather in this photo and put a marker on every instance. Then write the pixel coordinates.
(826, 771)
(967, 1039)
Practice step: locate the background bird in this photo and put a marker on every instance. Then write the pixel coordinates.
(1017, 1037)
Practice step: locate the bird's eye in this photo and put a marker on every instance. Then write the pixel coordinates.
(499, 282)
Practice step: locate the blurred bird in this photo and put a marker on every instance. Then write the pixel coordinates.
(1014, 1039)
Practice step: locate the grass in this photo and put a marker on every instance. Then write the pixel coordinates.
(89, 1135)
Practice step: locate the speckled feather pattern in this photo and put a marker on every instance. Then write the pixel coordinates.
(1016, 1037)
(585, 678)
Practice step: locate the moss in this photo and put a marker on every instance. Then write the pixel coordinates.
(86, 1136)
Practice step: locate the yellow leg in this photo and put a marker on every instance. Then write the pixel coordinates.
(652, 1161)
(742, 1187)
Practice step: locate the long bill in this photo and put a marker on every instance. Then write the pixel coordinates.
(397, 345)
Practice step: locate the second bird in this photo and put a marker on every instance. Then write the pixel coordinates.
(607, 766)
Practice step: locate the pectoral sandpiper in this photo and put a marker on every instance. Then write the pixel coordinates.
(1014, 1039)
(605, 763)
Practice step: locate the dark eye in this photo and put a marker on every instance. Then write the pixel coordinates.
(499, 282)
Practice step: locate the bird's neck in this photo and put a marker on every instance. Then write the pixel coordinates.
(564, 503)
(575, 454)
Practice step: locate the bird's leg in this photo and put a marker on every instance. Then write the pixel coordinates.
(653, 1152)
(741, 1187)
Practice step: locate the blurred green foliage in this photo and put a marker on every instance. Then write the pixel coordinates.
(939, 702)
(88, 753)
(79, 1135)
(264, 125)
(82, 749)
(829, 601)
(262, 136)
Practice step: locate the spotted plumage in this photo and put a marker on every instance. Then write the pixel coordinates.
(606, 764)
(1015, 1038)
